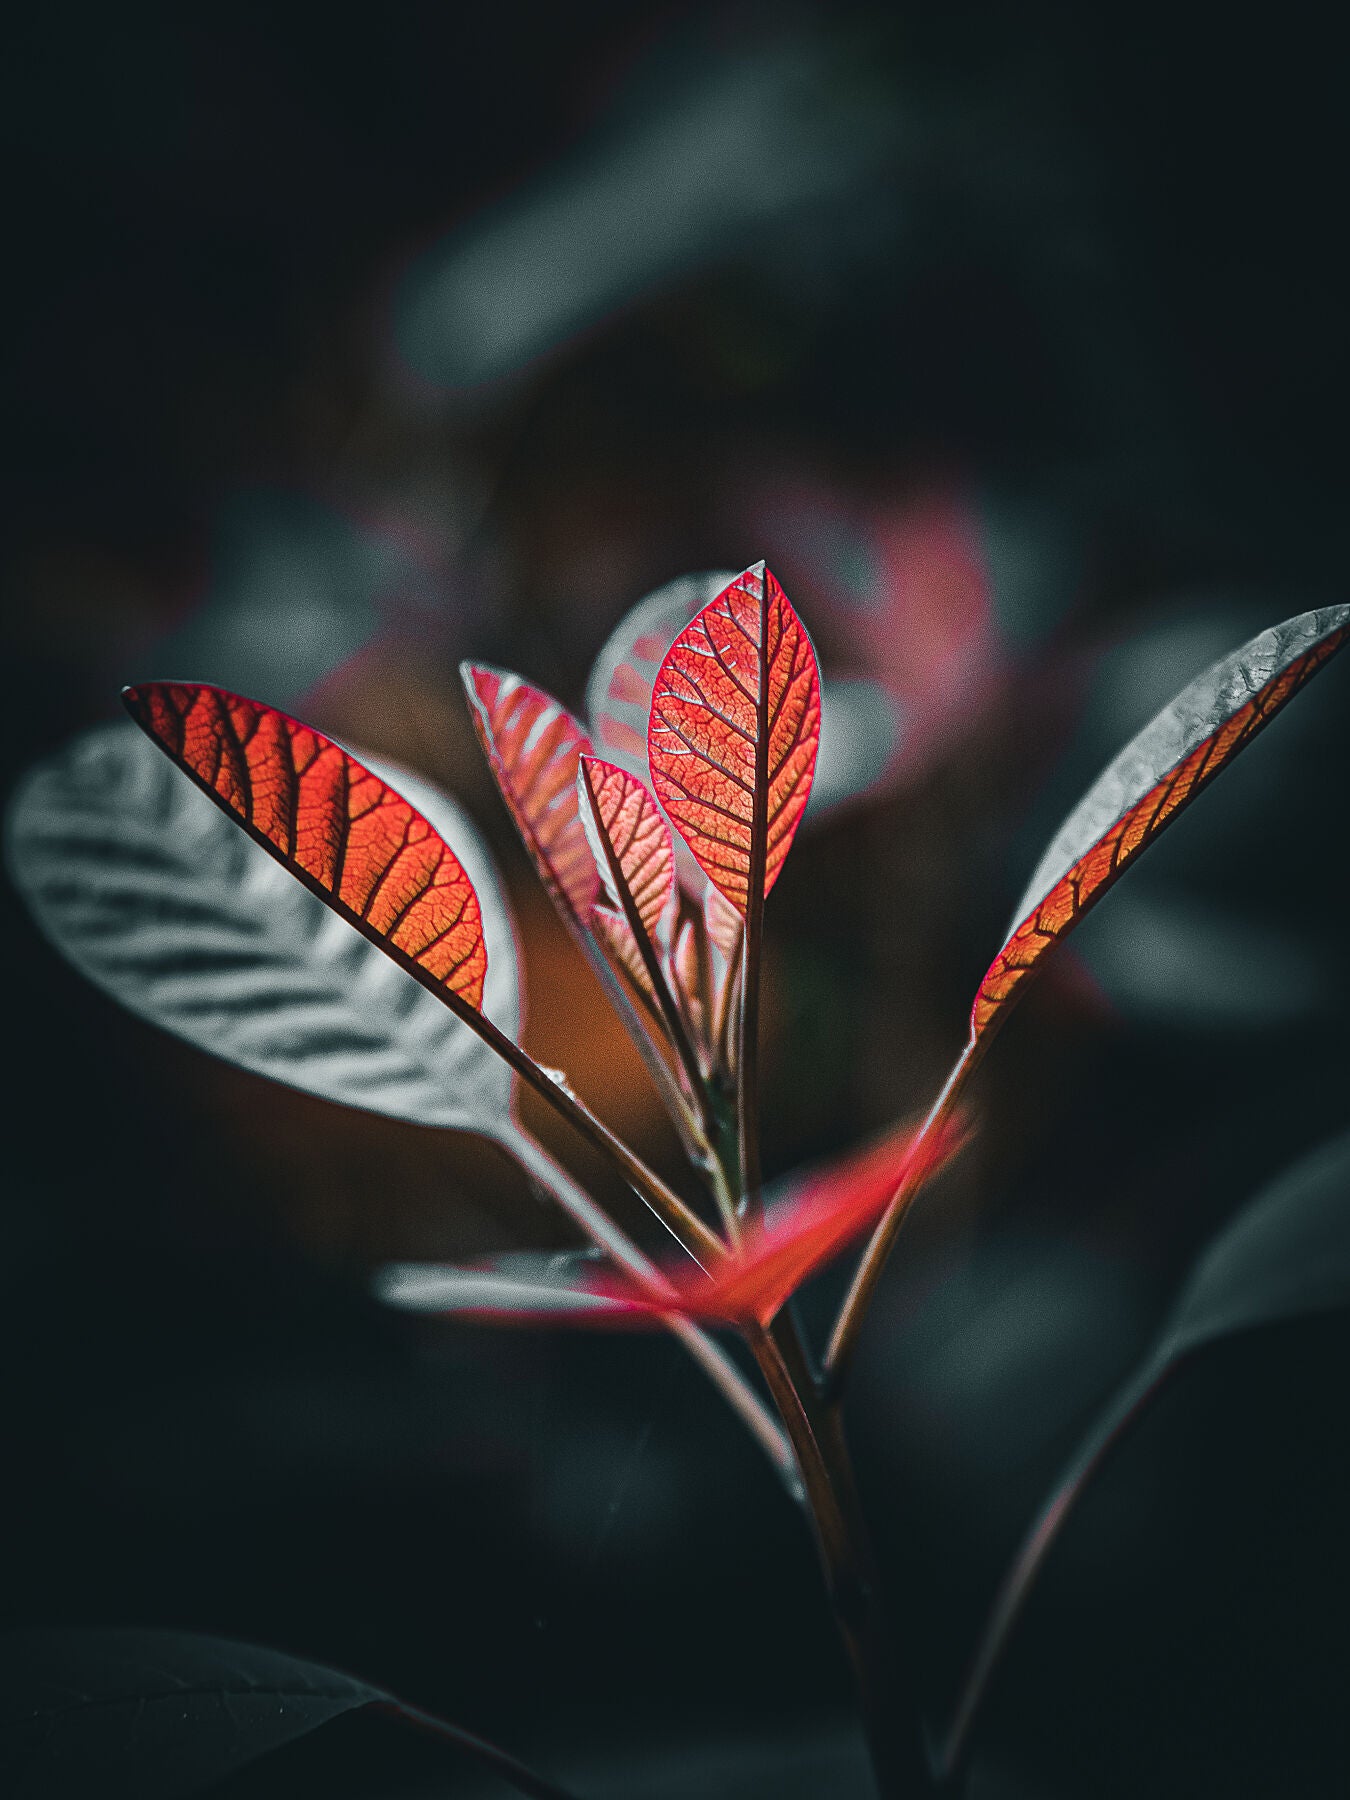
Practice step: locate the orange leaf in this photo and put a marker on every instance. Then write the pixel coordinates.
(1151, 783)
(734, 730)
(347, 835)
(533, 745)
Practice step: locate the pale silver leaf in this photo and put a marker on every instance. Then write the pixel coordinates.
(1181, 727)
(161, 900)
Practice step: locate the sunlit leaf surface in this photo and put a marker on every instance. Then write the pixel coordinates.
(158, 898)
(636, 847)
(1153, 779)
(333, 822)
(734, 730)
(533, 745)
(858, 734)
(619, 692)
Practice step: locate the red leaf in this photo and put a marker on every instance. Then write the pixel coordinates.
(823, 1211)
(619, 692)
(343, 831)
(636, 847)
(734, 730)
(1150, 783)
(534, 745)
(829, 1210)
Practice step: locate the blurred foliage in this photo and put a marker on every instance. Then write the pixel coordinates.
(340, 346)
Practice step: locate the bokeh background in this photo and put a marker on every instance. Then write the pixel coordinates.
(341, 345)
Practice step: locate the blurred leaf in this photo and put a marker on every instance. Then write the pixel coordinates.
(1285, 1256)
(734, 729)
(520, 1286)
(159, 1714)
(1153, 779)
(810, 1218)
(158, 898)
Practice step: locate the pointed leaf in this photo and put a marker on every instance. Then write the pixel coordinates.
(735, 726)
(1150, 783)
(1284, 1256)
(163, 1714)
(619, 692)
(860, 731)
(630, 842)
(533, 745)
(811, 1218)
(156, 896)
(332, 822)
(826, 1211)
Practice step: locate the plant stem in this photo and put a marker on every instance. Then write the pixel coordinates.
(889, 1715)
(711, 1358)
(684, 1225)
(844, 1337)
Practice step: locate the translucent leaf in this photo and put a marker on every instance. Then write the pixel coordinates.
(630, 841)
(1150, 783)
(533, 745)
(332, 822)
(155, 895)
(859, 731)
(733, 735)
(810, 1219)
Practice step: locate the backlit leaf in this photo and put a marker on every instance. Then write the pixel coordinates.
(156, 896)
(1150, 783)
(163, 1714)
(827, 1211)
(733, 735)
(619, 692)
(533, 745)
(345, 832)
(630, 842)
(1284, 1256)
(811, 1217)
(857, 740)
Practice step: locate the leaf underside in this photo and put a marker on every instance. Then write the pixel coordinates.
(533, 745)
(333, 822)
(1150, 783)
(734, 732)
(160, 900)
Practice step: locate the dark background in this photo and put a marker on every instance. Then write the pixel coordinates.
(340, 346)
